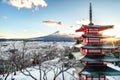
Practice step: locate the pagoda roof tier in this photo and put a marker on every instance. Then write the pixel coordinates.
(78, 45)
(99, 70)
(99, 27)
(96, 46)
(100, 47)
(99, 58)
(96, 36)
(78, 55)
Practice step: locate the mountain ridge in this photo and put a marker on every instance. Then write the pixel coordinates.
(56, 36)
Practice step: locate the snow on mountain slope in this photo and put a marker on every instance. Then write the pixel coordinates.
(56, 36)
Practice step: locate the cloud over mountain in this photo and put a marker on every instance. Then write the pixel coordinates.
(26, 3)
(52, 23)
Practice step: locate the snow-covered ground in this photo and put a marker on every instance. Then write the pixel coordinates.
(69, 74)
(51, 71)
(114, 67)
(30, 47)
(48, 66)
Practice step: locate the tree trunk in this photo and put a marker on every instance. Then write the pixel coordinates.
(63, 77)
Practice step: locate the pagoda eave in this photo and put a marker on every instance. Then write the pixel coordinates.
(99, 27)
(78, 55)
(96, 36)
(99, 58)
(99, 70)
(103, 47)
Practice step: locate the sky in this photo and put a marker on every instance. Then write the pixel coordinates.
(34, 18)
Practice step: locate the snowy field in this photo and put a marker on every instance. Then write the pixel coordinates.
(47, 70)
(29, 48)
(113, 77)
(51, 72)
(33, 45)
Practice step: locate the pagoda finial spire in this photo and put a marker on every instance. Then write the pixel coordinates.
(90, 14)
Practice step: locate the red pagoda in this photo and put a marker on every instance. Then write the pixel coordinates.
(93, 55)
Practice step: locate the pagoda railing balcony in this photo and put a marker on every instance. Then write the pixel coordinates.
(93, 63)
(95, 43)
(94, 53)
(91, 35)
(99, 35)
(92, 32)
(88, 77)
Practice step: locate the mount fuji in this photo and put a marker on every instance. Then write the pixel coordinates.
(56, 36)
